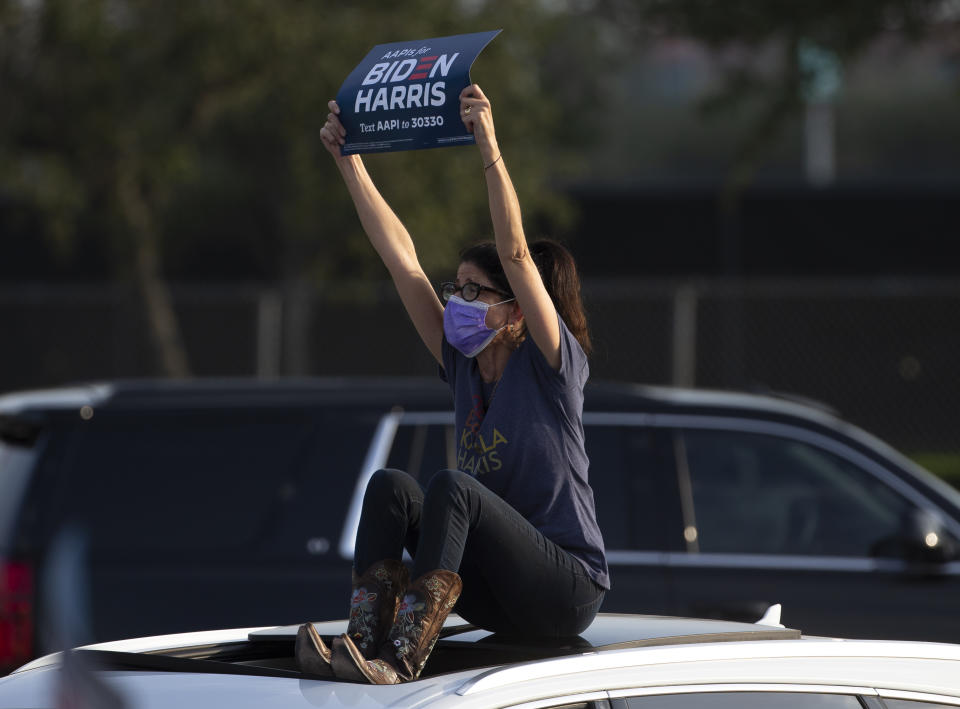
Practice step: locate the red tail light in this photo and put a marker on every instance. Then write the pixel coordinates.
(16, 614)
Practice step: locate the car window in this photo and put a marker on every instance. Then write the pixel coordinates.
(186, 482)
(628, 475)
(914, 704)
(423, 449)
(755, 493)
(631, 476)
(743, 700)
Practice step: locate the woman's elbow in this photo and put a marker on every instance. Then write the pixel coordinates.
(514, 254)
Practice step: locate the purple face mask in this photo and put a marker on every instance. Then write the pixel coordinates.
(465, 324)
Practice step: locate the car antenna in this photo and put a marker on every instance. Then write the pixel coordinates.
(771, 616)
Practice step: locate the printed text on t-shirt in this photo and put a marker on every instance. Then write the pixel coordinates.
(474, 454)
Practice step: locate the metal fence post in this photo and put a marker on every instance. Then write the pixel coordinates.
(298, 303)
(684, 359)
(269, 333)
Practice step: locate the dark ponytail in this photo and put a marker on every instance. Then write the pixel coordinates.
(560, 277)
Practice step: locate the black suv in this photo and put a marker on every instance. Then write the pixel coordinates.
(228, 503)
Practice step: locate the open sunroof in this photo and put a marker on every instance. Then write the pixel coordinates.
(270, 652)
(463, 646)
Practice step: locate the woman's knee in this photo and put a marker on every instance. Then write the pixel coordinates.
(387, 482)
(450, 484)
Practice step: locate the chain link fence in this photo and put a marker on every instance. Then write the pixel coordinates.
(882, 353)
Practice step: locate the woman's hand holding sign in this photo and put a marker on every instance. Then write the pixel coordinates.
(333, 134)
(477, 116)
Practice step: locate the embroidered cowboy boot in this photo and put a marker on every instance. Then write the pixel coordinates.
(420, 616)
(373, 606)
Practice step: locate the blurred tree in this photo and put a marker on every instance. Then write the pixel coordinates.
(186, 132)
(777, 56)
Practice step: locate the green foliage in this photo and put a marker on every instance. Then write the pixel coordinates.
(201, 121)
(844, 26)
(774, 55)
(944, 465)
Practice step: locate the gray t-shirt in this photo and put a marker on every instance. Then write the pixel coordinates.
(524, 440)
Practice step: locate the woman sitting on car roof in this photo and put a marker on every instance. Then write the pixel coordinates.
(512, 533)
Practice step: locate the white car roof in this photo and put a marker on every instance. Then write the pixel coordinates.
(656, 664)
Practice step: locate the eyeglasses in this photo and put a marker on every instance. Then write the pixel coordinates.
(469, 291)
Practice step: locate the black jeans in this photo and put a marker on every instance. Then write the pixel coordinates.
(515, 580)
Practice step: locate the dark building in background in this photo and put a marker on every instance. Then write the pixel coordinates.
(846, 230)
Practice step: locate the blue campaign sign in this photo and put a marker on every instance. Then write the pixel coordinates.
(405, 95)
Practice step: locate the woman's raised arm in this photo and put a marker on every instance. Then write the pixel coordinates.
(389, 238)
(518, 265)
